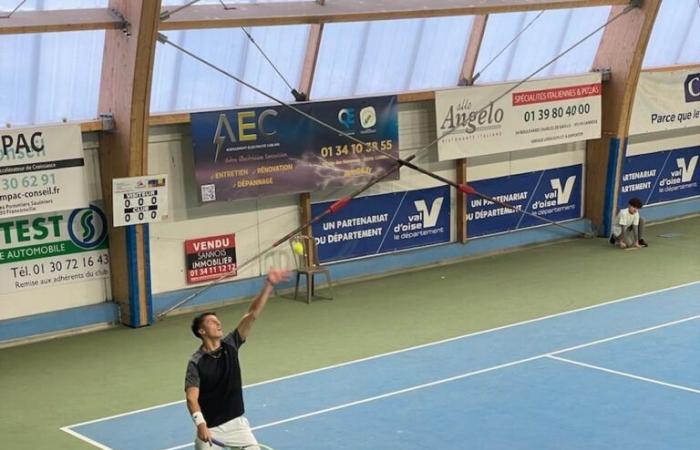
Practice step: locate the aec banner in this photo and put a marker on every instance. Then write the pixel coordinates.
(661, 176)
(537, 114)
(272, 150)
(666, 101)
(41, 170)
(383, 223)
(554, 194)
(210, 257)
(50, 249)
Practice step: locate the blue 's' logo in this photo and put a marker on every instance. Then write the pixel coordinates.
(692, 88)
(87, 227)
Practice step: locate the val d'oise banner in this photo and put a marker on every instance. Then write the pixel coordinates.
(41, 170)
(383, 223)
(49, 249)
(666, 101)
(554, 194)
(273, 150)
(661, 176)
(537, 114)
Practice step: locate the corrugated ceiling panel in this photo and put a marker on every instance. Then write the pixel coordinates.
(362, 58)
(675, 38)
(546, 37)
(182, 83)
(49, 77)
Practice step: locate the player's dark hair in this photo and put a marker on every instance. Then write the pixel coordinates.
(636, 202)
(197, 322)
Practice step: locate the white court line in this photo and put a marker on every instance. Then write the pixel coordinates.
(180, 446)
(395, 352)
(625, 374)
(619, 336)
(465, 375)
(86, 439)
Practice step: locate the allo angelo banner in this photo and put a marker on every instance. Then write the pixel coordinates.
(661, 176)
(41, 170)
(666, 101)
(537, 114)
(554, 194)
(49, 249)
(272, 150)
(383, 223)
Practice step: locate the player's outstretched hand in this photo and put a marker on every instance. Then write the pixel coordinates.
(275, 276)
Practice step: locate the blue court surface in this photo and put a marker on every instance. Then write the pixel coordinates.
(621, 375)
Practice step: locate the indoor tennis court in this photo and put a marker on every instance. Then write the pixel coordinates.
(344, 224)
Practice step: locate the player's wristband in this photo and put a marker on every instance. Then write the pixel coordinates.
(198, 418)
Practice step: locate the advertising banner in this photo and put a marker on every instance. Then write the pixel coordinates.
(661, 176)
(210, 257)
(537, 114)
(383, 223)
(554, 194)
(41, 170)
(49, 249)
(272, 150)
(666, 101)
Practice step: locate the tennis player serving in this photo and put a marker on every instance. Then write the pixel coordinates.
(213, 382)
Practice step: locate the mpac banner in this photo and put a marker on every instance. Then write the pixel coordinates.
(666, 101)
(383, 223)
(661, 176)
(537, 114)
(49, 249)
(554, 194)
(272, 150)
(41, 170)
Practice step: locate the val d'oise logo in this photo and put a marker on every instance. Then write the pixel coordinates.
(563, 193)
(687, 169)
(429, 215)
(87, 227)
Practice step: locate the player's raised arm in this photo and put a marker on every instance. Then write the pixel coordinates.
(274, 276)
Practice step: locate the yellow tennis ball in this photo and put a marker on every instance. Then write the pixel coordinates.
(298, 248)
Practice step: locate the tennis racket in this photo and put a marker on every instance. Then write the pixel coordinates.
(247, 447)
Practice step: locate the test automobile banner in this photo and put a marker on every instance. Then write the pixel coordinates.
(661, 176)
(666, 101)
(41, 170)
(554, 194)
(536, 114)
(271, 150)
(45, 250)
(383, 223)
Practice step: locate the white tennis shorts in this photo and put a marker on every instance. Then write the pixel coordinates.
(235, 433)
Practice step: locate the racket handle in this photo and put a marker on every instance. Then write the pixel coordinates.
(219, 443)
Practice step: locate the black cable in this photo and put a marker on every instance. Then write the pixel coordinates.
(298, 96)
(8, 15)
(517, 36)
